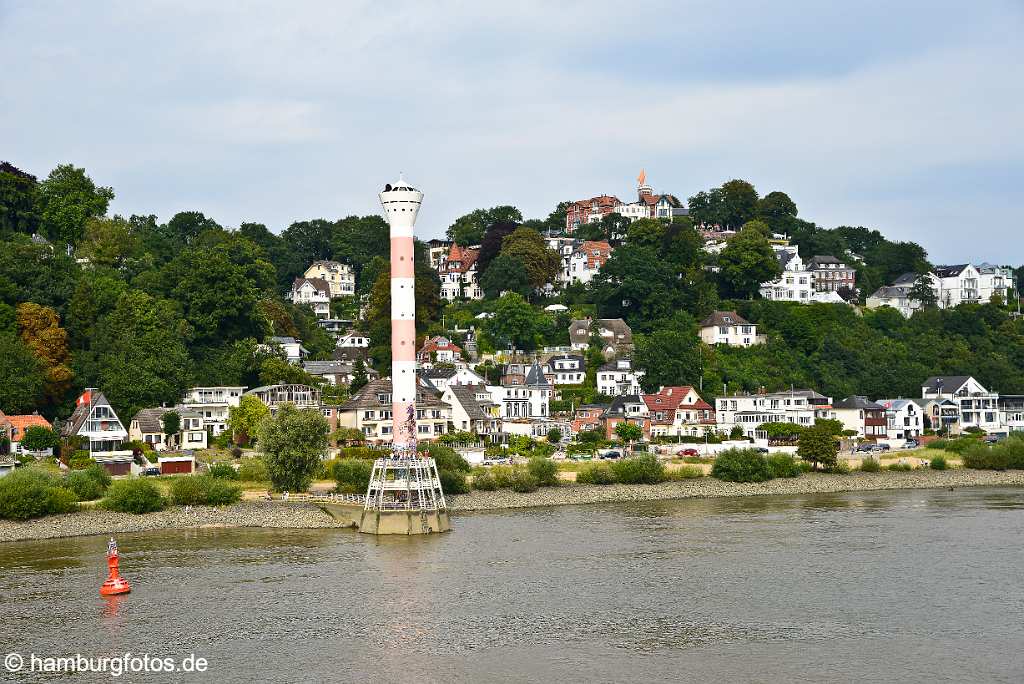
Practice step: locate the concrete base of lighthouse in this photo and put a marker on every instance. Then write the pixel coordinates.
(404, 497)
(404, 522)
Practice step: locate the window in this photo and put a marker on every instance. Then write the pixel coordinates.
(423, 429)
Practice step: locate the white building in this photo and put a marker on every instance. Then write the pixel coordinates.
(213, 404)
(728, 327)
(292, 348)
(274, 396)
(796, 284)
(619, 378)
(748, 411)
(585, 261)
(898, 296)
(861, 415)
(523, 400)
(147, 426)
(353, 340)
(993, 281)
(904, 418)
(458, 272)
(566, 369)
(976, 406)
(313, 292)
(340, 277)
(95, 421)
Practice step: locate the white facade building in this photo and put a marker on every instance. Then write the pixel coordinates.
(728, 327)
(976, 406)
(313, 292)
(748, 411)
(904, 418)
(293, 350)
(213, 404)
(619, 378)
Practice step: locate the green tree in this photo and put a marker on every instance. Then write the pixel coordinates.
(470, 228)
(629, 433)
(68, 198)
(740, 202)
(639, 286)
(818, 446)
(506, 274)
(668, 358)
(554, 435)
(38, 438)
(141, 354)
(293, 444)
(358, 240)
(244, 420)
(359, 378)
(171, 423)
(185, 227)
(777, 210)
(18, 212)
(490, 245)
(110, 242)
(35, 273)
(924, 292)
(22, 377)
(515, 323)
(646, 233)
(747, 261)
(541, 263)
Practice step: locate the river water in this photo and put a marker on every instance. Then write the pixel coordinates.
(898, 586)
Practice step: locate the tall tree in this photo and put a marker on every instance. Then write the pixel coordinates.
(469, 229)
(185, 227)
(292, 443)
(777, 210)
(542, 264)
(22, 376)
(747, 261)
(637, 285)
(490, 245)
(18, 212)
(244, 420)
(40, 330)
(35, 273)
(515, 323)
(668, 358)
(740, 202)
(506, 274)
(67, 199)
(110, 242)
(646, 233)
(358, 240)
(924, 292)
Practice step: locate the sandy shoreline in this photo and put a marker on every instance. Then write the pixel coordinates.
(309, 516)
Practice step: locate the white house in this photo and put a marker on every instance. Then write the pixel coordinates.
(585, 262)
(293, 350)
(353, 340)
(993, 281)
(526, 400)
(863, 416)
(728, 327)
(748, 411)
(147, 426)
(976, 406)
(213, 404)
(619, 378)
(958, 284)
(904, 418)
(898, 296)
(273, 396)
(369, 411)
(473, 409)
(95, 421)
(458, 273)
(678, 411)
(566, 369)
(796, 284)
(1011, 412)
(315, 292)
(340, 277)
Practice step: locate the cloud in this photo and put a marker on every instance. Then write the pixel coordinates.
(871, 114)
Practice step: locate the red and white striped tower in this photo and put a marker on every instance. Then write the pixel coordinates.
(401, 204)
(405, 494)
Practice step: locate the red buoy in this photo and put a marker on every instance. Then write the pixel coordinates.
(115, 584)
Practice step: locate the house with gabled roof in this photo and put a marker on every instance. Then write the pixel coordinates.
(863, 416)
(626, 408)
(95, 421)
(615, 334)
(458, 272)
(679, 412)
(16, 427)
(729, 328)
(314, 292)
(147, 426)
(473, 409)
(340, 278)
(976, 406)
(369, 411)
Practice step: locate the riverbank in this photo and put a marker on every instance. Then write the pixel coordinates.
(309, 516)
(707, 487)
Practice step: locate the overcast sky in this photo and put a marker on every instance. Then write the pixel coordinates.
(901, 116)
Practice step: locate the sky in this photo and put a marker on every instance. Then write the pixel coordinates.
(900, 116)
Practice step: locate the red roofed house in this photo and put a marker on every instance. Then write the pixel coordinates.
(17, 430)
(438, 350)
(589, 211)
(458, 274)
(585, 262)
(679, 412)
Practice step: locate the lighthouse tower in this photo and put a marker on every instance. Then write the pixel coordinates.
(404, 496)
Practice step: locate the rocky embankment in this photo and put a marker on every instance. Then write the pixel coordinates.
(95, 521)
(706, 487)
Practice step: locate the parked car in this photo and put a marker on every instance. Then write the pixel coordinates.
(688, 452)
(865, 448)
(611, 455)
(762, 450)
(991, 439)
(882, 447)
(911, 444)
(152, 470)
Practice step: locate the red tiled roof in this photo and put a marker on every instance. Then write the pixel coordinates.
(20, 423)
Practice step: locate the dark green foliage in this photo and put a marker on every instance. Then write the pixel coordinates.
(901, 467)
(1007, 454)
(223, 471)
(783, 465)
(352, 475)
(88, 484)
(134, 495)
(453, 482)
(447, 458)
(938, 463)
(596, 474)
(818, 445)
(741, 465)
(643, 469)
(30, 493)
(522, 481)
(204, 490)
(22, 376)
(545, 470)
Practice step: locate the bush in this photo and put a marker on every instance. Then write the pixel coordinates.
(80, 460)
(223, 471)
(361, 452)
(522, 481)
(447, 458)
(503, 476)
(31, 493)
(870, 465)
(204, 490)
(741, 465)
(938, 463)
(485, 482)
(901, 467)
(236, 452)
(134, 495)
(253, 470)
(838, 468)
(595, 474)
(645, 469)
(959, 446)
(453, 481)
(981, 457)
(88, 484)
(783, 465)
(683, 473)
(352, 475)
(545, 470)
